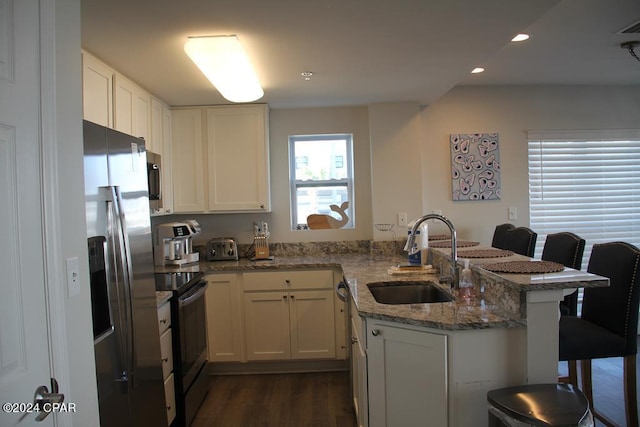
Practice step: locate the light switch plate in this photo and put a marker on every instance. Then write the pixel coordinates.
(73, 277)
(402, 219)
(513, 213)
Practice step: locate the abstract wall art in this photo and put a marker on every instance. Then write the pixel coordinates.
(475, 166)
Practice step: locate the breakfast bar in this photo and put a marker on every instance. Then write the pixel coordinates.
(440, 357)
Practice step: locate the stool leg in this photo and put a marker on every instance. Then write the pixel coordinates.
(573, 372)
(630, 392)
(587, 385)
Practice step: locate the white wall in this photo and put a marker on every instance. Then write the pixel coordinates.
(511, 111)
(395, 164)
(72, 229)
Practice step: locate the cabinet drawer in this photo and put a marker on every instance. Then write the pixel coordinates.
(166, 353)
(288, 280)
(170, 398)
(164, 317)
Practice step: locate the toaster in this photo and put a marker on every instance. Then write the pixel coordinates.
(222, 249)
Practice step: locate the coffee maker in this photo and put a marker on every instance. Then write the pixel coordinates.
(173, 243)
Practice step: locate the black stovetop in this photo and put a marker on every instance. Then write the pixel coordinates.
(176, 281)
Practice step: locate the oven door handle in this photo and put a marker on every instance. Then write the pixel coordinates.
(192, 296)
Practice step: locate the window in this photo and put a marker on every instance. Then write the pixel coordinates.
(324, 178)
(587, 183)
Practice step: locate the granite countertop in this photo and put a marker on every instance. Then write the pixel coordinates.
(162, 297)
(492, 310)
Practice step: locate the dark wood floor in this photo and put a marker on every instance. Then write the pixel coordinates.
(322, 399)
(608, 394)
(277, 400)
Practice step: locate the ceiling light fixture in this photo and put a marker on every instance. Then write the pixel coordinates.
(630, 46)
(520, 38)
(224, 62)
(307, 74)
(477, 70)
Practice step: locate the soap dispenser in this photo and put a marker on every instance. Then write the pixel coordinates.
(466, 282)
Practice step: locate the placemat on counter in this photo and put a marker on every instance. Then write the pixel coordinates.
(524, 267)
(433, 237)
(447, 244)
(484, 253)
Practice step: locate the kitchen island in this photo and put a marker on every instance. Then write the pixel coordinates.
(437, 361)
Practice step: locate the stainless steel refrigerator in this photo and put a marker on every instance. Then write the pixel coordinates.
(125, 323)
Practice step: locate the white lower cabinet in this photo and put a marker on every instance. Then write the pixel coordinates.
(224, 319)
(359, 393)
(166, 353)
(407, 376)
(289, 315)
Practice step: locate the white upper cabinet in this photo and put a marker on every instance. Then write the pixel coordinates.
(97, 91)
(132, 108)
(221, 159)
(238, 158)
(187, 161)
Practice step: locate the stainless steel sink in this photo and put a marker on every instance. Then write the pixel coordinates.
(408, 292)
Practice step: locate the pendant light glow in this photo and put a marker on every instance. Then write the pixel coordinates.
(477, 70)
(224, 62)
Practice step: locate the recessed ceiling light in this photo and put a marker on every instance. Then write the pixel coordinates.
(307, 74)
(477, 70)
(520, 38)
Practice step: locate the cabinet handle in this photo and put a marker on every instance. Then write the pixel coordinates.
(284, 296)
(287, 281)
(354, 340)
(163, 321)
(165, 360)
(375, 332)
(292, 296)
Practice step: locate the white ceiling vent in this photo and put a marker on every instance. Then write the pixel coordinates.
(631, 29)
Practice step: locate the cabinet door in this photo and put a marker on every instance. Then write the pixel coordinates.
(154, 143)
(97, 91)
(312, 324)
(170, 398)
(407, 374)
(224, 329)
(167, 183)
(132, 113)
(267, 325)
(238, 158)
(359, 375)
(187, 161)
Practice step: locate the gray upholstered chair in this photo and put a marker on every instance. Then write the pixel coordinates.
(500, 233)
(567, 249)
(521, 240)
(608, 324)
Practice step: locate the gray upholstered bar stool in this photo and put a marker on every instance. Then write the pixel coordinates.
(539, 405)
(521, 240)
(500, 233)
(567, 249)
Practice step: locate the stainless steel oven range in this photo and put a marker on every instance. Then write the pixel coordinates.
(189, 340)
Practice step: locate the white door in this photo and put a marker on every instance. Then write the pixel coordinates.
(24, 345)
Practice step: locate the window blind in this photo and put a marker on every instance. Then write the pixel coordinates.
(586, 182)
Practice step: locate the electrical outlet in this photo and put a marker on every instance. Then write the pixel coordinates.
(73, 276)
(402, 219)
(513, 213)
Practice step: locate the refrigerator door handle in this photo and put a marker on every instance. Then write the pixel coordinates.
(125, 251)
(115, 283)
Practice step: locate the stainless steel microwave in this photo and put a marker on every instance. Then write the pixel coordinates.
(154, 175)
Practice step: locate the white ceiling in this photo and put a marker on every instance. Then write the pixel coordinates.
(366, 51)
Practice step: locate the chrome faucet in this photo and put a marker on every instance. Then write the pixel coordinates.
(412, 249)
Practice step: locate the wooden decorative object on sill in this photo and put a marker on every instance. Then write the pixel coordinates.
(320, 221)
